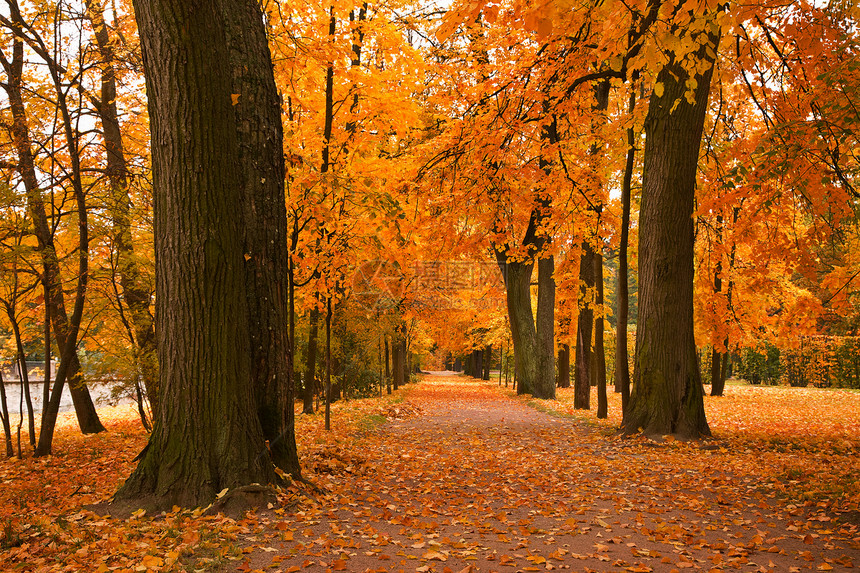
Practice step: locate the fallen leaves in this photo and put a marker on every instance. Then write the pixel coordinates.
(461, 479)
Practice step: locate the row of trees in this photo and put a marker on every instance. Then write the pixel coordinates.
(292, 144)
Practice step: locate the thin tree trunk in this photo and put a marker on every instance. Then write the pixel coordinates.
(328, 365)
(584, 328)
(622, 368)
(599, 365)
(4, 418)
(46, 384)
(563, 366)
(88, 419)
(387, 365)
(25, 376)
(311, 361)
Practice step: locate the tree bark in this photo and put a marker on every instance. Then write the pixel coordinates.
(584, 327)
(622, 370)
(599, 364)
(563, 375)
(208, 435)
(667, 394)
(261, 176)
(311, 361)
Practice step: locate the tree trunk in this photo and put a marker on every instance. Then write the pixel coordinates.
(208, 435)
(563, 366)
(311, 361)
(22, 367)
(387, 365)
(518, 277)
(397, 357)
(584, 326)
(136, 293)
(622, 369)
(667, 394)
(261, 175)
(328, 365)
(4, 418)
(88, 419)
(599, 363)
(487, 359)
(545, 319)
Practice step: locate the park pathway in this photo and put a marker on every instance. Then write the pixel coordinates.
(475, 480)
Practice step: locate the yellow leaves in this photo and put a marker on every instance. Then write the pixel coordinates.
(434, 555)
(658, 89)
(152, 562)
(235, 98)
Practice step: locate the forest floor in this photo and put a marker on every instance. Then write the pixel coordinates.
(458, 475)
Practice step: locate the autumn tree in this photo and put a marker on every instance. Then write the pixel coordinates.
(66, 326)
(208, 435)
(667, 394)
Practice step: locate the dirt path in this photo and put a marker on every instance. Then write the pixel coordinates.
(482, 482)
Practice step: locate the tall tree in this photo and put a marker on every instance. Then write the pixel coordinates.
(667, 393)
(622, 370)
(208, 435)
(66, 327)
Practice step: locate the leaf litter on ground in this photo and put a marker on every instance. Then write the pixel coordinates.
(457, 475)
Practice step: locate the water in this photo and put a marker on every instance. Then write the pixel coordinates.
(101, 394)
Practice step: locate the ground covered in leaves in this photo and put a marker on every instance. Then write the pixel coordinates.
(456, 475)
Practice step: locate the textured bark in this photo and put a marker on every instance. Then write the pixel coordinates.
(533, 335)
(563, 375)
(487, 359)
(599, 363)
(136, 292)
(207, 436)
(545, 326)
(717, 380)
(261, 176)
(311, 362)
(667, 394)
(622, 295)
(584, 331)
(85, 410)
(518, 276)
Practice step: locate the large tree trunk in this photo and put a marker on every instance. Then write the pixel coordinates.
(88, 419)
(518, 276)
(584, 326)
(136, 293)
(667, 394)
(261, 174)
(207, 436)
